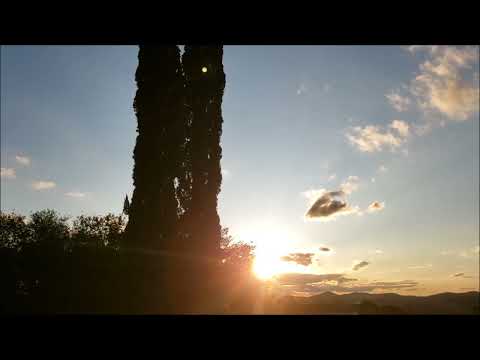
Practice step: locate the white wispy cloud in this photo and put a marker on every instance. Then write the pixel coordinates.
(399, 102)
(372, 138)
(332, 177)
(7, 173)
(23, 160)
(442, 86)
(350, 185)
(401, 127)
(43, 185)
(75, 194)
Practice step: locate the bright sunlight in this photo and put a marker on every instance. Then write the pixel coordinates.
(272, 242)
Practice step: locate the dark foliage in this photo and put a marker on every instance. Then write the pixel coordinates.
(159, 107)
(205, 83)
(49, 266)
(126, 205)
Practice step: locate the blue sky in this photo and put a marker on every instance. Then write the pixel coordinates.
(296, 118)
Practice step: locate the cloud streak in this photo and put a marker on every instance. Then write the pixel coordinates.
(374, 138)
(311, 284)
(7, 173)
(399, 102)
(304, 259)
(43, 185)
(360, 265)
(74, 194)
(23, 160)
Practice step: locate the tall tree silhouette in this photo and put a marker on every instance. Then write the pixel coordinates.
(205, 83)
(126, 205)
(159, 107)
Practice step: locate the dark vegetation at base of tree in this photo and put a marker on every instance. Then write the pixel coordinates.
(51, 265)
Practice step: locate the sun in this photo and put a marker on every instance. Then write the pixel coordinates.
(272, 241)
(266, 267)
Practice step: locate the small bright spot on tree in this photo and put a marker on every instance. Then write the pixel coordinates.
(204, 69)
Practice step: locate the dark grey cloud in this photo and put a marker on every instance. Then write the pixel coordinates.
(304, 259)
(324, 248)
(360, 265)
(327, 206)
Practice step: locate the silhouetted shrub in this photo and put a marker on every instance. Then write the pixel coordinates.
(97, 231)
(13, 230)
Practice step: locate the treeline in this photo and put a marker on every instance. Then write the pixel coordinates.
(54, 264)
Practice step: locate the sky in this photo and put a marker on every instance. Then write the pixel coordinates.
(358, 165)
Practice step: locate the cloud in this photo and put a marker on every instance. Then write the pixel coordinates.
(75, 194)
(302, 279)
(376, 251)
(382, 169)
(23, 160)
(324, 248)
(43, 185)
(302, 88)
(441, 86)
(401, 127)
(359, 265)
(421, 267)
(7, 173)
(350, 287)
(468, 253)
(373, 138)
(462, 275)
(399, 102)
(304, 259)
(349, 185)
(332, 177)
(326, 207)
(376, 206)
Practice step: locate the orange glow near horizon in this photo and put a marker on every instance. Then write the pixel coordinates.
(271, 243)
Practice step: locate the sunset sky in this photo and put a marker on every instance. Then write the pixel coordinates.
(362, 158)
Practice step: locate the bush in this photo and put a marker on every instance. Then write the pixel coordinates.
(97, 231)
(13, 231)
(49, 230)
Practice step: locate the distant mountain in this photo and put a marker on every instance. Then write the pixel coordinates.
(389, 303)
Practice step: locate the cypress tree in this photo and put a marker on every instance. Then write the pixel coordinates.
(126, 205)
(205, 83)
(159, 108)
